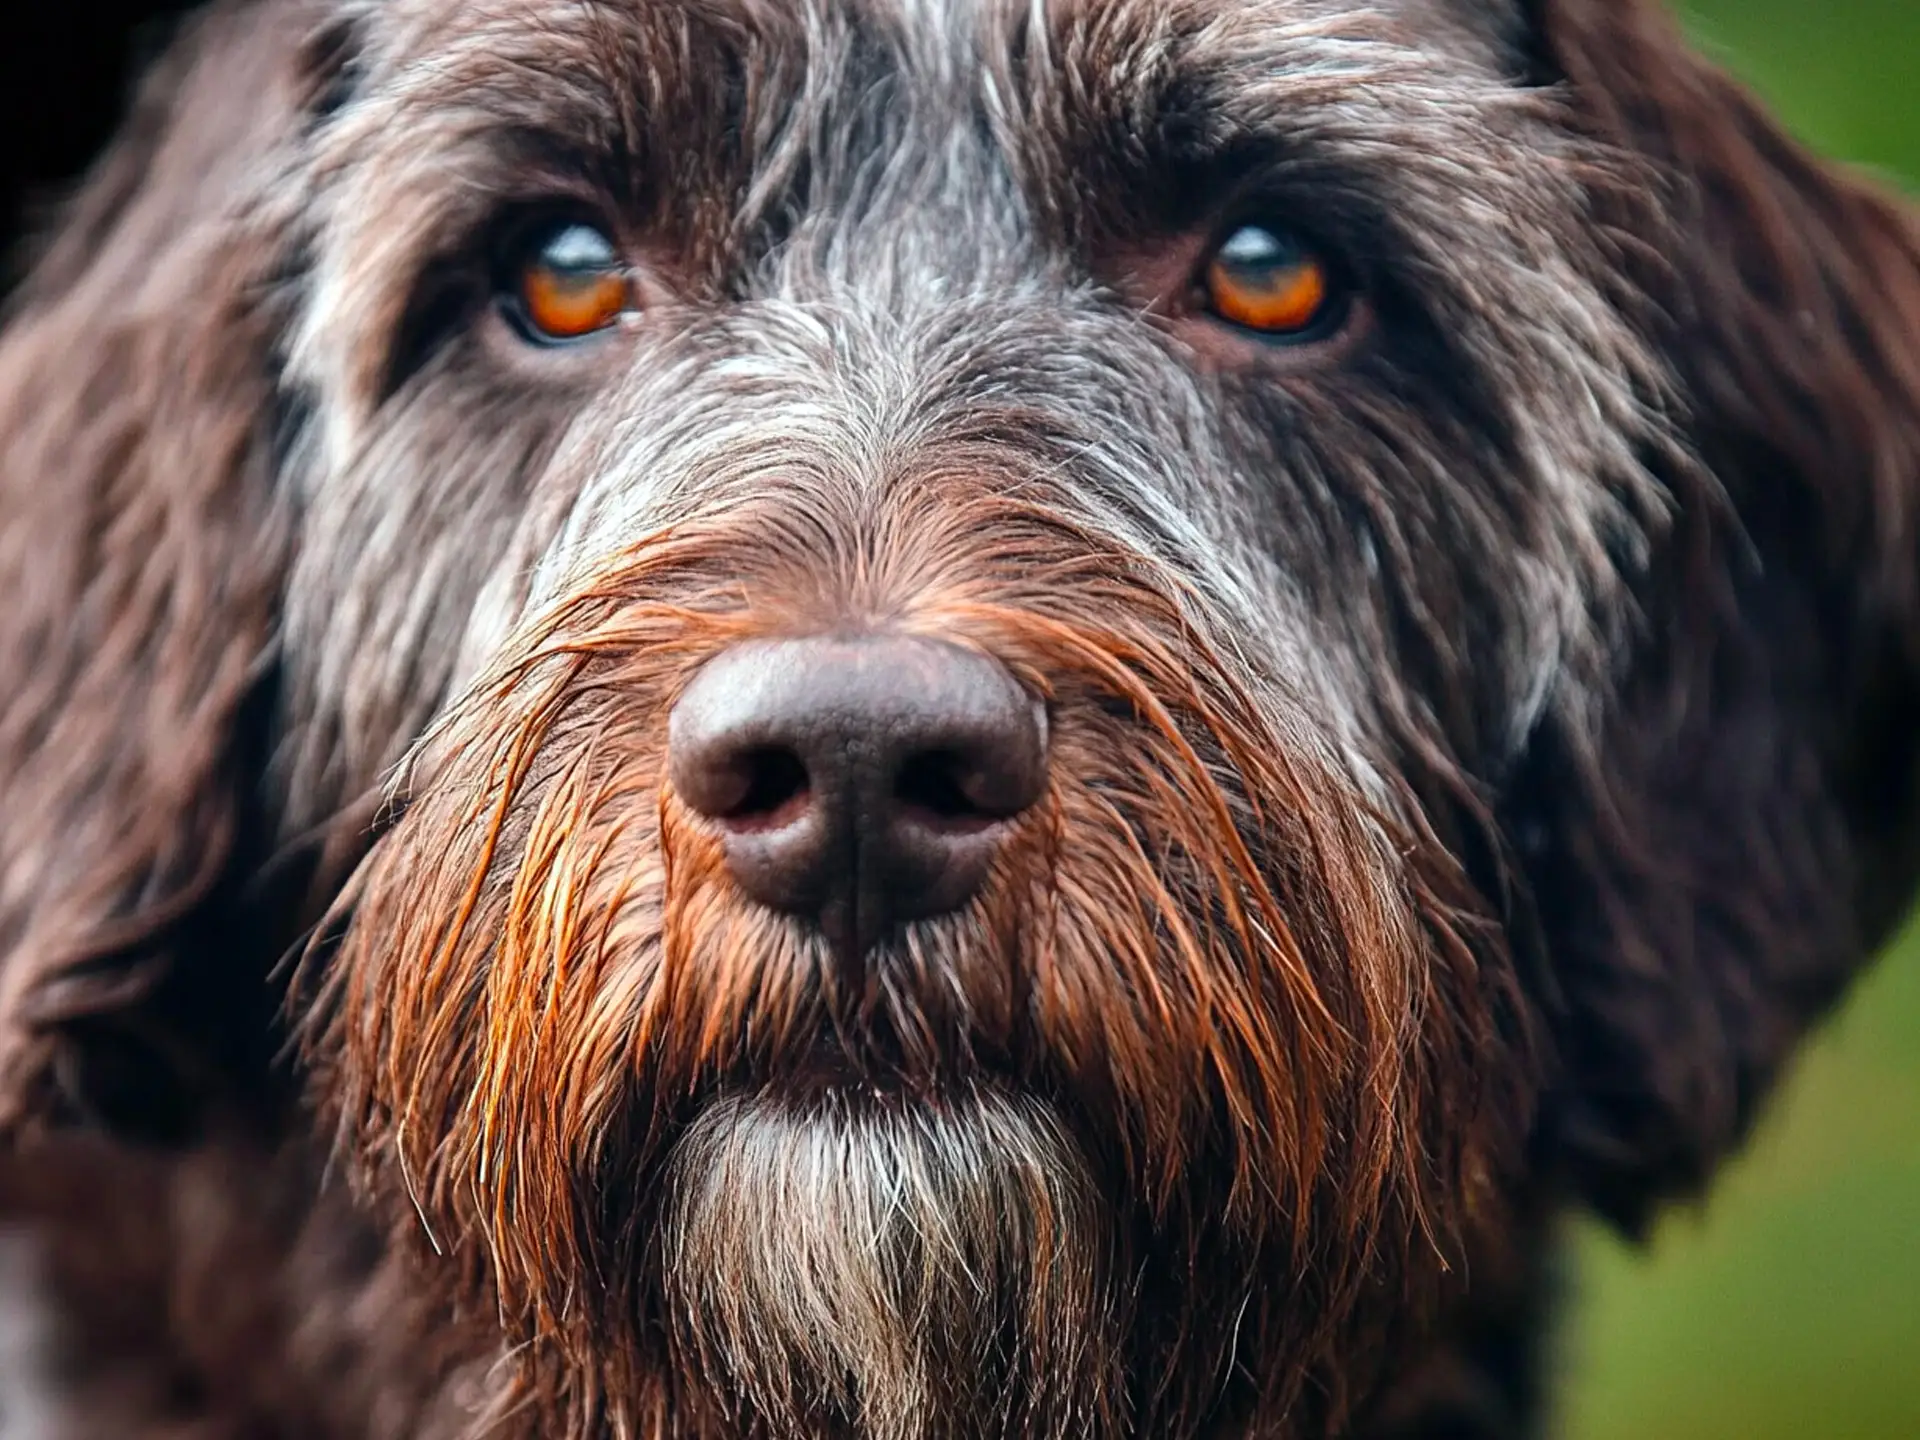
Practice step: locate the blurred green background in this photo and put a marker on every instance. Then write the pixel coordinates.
(1787, 1307)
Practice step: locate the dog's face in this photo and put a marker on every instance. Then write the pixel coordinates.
(995, 614)
(975, 324)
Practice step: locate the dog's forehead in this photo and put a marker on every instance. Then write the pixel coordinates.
(930, 29)
(786, 55)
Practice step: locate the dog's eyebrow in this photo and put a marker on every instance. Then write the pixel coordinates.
(1148, 116)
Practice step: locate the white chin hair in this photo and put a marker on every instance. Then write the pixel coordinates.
(890, 1269)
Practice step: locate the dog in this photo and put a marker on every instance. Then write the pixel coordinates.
(921, 719)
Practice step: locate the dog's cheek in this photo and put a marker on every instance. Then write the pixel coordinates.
(1454, 547)
(410, 550)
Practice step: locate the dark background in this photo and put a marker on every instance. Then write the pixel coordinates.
(1787, 1307)
(62, 64)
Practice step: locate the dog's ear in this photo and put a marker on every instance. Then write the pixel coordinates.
(1740, 836)
(140, 556)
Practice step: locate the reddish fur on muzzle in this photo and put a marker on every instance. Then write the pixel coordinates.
(1202, 947)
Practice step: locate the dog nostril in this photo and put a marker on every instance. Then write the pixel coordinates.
(774, 790)
(933, 785)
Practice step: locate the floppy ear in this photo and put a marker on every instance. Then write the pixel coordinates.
(140, 554)
(1712, 869)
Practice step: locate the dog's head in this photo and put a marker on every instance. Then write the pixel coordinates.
(1016, 714)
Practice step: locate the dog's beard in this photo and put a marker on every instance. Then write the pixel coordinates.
(889, 1269)
(1237, 981)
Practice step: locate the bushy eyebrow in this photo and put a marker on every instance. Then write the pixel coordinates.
(1145, 115)
(1121, 123)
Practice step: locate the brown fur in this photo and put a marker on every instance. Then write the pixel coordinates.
(1480, 750)
(1337, 1160)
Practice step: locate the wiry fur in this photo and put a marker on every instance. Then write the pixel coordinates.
(922, 1270)
(1480, 746)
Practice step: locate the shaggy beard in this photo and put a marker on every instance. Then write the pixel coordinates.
(1238, 987)
(889, 1270)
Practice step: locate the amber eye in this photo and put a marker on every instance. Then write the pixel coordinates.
(1269, 282)
(571, 284)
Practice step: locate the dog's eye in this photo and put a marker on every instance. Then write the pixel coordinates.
(1271, 283)
(571, 283)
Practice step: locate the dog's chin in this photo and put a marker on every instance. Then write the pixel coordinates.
(880, 1267)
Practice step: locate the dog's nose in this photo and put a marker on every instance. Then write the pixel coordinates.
(860, 782)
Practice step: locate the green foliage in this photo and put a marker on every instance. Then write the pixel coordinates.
(1788, 1306)
(1843, 72)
